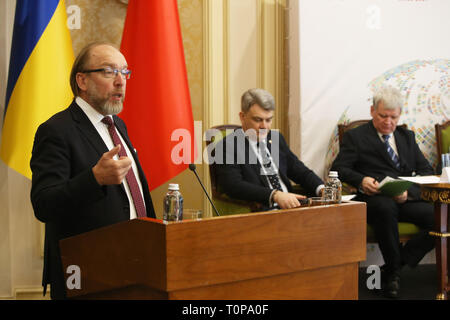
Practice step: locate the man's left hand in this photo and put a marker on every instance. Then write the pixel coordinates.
(287, 200)
(401, 198)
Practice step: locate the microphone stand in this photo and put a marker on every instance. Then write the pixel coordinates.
(192, 167)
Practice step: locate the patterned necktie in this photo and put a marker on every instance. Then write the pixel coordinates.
(267, 163)
(131, 177)
(390, 151)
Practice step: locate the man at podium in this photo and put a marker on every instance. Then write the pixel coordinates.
(86, 173)
(258, 163)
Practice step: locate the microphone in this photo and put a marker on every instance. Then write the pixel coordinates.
(192, 167)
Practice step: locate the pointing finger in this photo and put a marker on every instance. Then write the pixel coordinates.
(111, 153)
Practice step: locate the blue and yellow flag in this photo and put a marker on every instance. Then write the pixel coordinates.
(38, 79)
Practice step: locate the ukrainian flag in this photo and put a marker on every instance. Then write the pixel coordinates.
(38, 79)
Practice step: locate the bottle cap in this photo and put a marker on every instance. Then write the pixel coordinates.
(333, 174)
(174, 186)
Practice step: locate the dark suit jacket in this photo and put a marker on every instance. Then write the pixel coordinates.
(65, 194)
(364, 154)
(242, 179)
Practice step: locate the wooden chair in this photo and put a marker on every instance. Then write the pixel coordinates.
(224, 204)
(442, 140)
(406, 230)
(342, 128)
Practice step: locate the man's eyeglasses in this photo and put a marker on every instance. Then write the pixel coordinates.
(111, 73)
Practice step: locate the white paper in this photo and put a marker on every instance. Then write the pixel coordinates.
(348, 197)
(423, 179)
(385, 180)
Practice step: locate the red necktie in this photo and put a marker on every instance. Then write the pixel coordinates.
(131, 177)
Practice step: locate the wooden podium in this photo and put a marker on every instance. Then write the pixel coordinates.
(303, 253)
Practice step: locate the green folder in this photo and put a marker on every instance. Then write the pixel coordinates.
(393, 187)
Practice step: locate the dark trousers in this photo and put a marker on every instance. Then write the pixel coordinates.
(57, 291)
(384, 214)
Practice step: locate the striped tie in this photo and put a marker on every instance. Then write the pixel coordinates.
(131, 177)
(273, 178)
(390, 151)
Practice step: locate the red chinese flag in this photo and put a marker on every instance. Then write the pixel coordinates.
(157, 107)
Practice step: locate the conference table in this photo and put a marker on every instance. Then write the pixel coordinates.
(439, 194)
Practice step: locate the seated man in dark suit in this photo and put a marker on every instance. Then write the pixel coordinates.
(368, 154)
(258, 163)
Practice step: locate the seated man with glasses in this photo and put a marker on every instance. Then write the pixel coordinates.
(86, 173)
(257, 164)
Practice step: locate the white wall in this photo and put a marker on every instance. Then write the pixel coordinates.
(347, 48)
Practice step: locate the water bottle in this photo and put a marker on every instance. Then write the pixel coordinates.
(173, 204)
(334, 187)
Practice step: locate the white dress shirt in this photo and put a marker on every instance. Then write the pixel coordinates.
(96, 119)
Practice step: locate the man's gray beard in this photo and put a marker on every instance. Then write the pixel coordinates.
(111, 108)
(106, 107)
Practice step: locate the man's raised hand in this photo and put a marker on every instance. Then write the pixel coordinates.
(109, 171)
